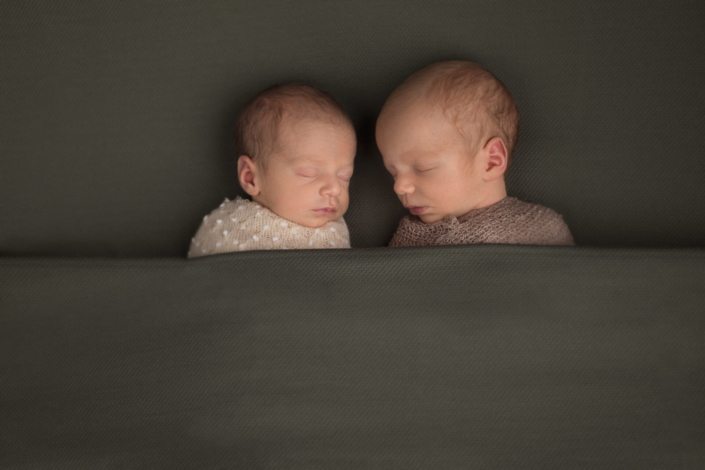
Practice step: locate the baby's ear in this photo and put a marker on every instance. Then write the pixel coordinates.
(496, 158)
(246, 173)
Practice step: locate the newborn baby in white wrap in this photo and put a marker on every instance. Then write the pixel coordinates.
(296, 147)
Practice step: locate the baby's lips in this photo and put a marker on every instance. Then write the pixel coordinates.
(326, 210)
(417, 209)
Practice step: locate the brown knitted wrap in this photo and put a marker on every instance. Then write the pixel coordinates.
(508, 221)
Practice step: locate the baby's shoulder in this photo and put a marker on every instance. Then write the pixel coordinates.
(228, 211)
(543, 223)
(538, 211)
(212, 235)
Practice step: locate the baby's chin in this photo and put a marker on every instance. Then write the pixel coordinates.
(431, 218)
(319, 221)
(311, 219)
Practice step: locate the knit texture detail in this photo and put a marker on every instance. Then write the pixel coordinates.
(243, 225)
(508, 221)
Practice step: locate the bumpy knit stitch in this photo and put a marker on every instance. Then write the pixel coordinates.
(509, 221)
(243, 225)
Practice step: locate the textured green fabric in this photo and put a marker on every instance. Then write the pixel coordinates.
(429, 358)
(115, 117)
(115, 140)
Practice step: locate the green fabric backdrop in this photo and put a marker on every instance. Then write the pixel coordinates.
(428, 358)
(115, 122)
(115, 117)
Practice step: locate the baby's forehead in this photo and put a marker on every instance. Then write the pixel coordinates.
(412, 120)
(292, 126)
(306, 132)
(290, 160)
(316, 145)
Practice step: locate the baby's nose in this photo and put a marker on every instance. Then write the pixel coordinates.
(403, 186)
(331, 187)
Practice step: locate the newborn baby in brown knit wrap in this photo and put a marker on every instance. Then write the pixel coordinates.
(446, 135)
(296, 147)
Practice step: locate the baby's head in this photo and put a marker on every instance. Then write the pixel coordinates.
(446, 135)
(296, 146)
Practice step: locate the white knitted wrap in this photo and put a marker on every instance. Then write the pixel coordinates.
(243, 225)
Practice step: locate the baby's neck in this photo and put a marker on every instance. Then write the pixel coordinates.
(258, 199)
(494, 192)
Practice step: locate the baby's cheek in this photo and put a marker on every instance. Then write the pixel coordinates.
(293, 190)
(451, 186)
(297, 201)
(431, 187)
(279, 200)
(344, 199)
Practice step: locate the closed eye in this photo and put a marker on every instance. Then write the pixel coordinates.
(426, 170)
